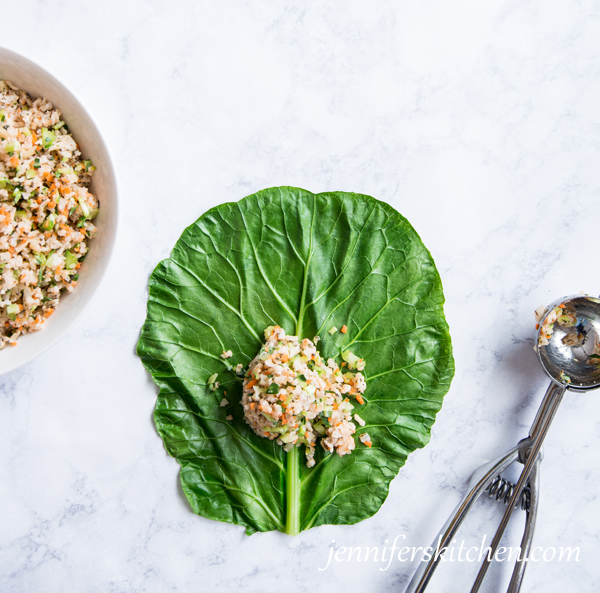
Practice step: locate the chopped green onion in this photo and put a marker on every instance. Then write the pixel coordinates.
(48, 224)
(25, 131)
(287, 438)
(36, 163)
(352, 360)
(320, 429)
(70, 260)
(275, 429)
(12, 310)
(40, 258)
(48, 138)
(59, 125)
(332, 330)
(30, 174)
(2, 115)
(85, 209)
(273, 389)
(51, 258)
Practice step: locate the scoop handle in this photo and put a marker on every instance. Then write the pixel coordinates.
(477, 485)
(529, 450)
(521, 563)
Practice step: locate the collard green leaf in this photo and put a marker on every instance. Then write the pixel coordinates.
(306, 262)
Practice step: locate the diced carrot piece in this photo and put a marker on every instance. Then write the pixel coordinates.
(344, 329)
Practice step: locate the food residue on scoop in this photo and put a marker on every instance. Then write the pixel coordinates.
(560, 314)
(565, 378)
(594, 358)
(291, 394)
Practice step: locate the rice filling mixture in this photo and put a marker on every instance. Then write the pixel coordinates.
(561, 315)
(292, 395)
(45, 211)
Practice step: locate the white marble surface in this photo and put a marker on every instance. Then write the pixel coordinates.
(479, 121)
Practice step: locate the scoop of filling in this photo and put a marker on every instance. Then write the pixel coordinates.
(292, 395)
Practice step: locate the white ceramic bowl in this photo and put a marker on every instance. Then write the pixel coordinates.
(32, 78)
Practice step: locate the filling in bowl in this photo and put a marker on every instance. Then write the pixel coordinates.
(45, 211)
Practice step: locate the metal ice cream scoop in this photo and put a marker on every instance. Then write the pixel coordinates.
(568, 345)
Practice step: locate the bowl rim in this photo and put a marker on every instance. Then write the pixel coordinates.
(69, 324)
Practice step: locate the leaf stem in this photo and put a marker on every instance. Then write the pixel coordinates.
(292, 487)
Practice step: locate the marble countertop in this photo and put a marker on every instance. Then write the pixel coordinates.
(478, 121)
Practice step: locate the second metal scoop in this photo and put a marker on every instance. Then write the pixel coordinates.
(568, 345)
